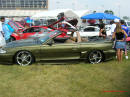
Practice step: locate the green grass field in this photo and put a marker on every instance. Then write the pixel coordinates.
(71, 80)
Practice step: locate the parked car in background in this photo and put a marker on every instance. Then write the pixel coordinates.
(21, 32)
(128, 43)
(92, 31)
(29, 32)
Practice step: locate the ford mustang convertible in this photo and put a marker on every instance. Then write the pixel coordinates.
(26, 52)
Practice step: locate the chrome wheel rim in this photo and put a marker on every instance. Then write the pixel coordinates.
(24, 58)
(95, 57)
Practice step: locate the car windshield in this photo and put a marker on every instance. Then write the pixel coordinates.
(49, 35)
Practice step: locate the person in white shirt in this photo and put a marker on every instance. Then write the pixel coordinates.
(2, 39)
(113, 25)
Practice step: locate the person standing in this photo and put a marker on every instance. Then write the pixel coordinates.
(8, 30)
(113, 25)
(2, 39)
(102, 29)
(118, 35)
(125, 28)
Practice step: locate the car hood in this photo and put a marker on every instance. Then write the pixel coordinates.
(20, 43)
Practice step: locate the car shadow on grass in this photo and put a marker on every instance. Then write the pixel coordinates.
(57, 62)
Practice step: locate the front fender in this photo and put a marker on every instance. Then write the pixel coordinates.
(16, 36)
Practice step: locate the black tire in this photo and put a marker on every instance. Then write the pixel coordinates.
(24, 58)
(12, 39)
(95, 57)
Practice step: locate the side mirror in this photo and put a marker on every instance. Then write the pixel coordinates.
(50, 43)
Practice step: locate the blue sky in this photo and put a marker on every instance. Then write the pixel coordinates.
(120, 7)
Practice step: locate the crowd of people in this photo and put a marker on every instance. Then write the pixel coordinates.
(119, 35)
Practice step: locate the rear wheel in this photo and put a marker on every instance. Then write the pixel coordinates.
(95, 57)
(24, 58)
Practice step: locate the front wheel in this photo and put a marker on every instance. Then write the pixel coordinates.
(95, 57)
(24, 58)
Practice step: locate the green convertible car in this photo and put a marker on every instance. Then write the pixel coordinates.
(26, 52)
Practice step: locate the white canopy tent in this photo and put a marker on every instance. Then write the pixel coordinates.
(81, 13)
(68, 13)
(52, 14)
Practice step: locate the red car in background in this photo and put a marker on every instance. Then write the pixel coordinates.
(29, 32)
(33, 31)
(128, 39)
(128, 42)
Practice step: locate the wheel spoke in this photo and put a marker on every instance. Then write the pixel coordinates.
(24, 62)
(27, 61)
(19, 58)
(28, 56)
(91, 59)
(95, 60)
(99, 57)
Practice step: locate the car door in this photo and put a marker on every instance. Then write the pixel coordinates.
(60, 51)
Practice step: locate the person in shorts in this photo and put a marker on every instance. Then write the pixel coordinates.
(120, 41)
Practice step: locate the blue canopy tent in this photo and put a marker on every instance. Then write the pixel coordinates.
(100, 16)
